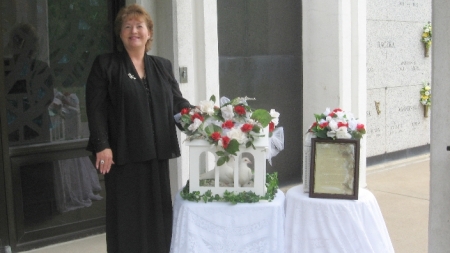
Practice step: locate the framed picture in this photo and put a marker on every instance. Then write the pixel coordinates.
(334, 171)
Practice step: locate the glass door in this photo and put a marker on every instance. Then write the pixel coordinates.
(48, 49)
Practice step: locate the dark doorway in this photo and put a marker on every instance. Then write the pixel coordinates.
(260, 56)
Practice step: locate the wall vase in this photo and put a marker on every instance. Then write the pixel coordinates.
(427, 50)
(425, 110)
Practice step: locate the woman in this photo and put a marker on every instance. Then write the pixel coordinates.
(131, 98)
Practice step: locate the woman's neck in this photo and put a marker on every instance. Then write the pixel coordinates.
(138, 61)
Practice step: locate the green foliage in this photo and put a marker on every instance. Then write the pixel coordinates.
(232, 197)
(262, 116)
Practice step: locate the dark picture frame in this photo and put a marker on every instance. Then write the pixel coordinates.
(334, 171)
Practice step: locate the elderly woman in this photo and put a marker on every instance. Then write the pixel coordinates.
(131, 99)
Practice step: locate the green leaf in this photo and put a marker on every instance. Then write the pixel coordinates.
(221, 153)
(262, 116)
(212, 128)
(222, 160)
(233, 147)
(212, 98)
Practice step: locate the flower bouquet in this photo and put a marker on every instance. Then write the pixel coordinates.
(229, 126)
(425, 97)
(337, 124)
(427, 38)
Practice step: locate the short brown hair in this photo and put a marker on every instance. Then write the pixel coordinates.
(134, 10)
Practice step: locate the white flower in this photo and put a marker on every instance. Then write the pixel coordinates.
(227, 112)
(207, 107)
(342, 133)
(333, 125)
(275, 116)
(192, 127)
(331, 134)
(352, 124)
(237, 134)
(327, 111)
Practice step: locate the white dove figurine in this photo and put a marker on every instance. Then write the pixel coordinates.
(245, 173)
(225, 174)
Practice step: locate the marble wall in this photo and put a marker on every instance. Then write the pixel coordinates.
(396, 69)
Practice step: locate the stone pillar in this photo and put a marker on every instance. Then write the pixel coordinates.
(439, 219)
(195, 46)
(334, 57)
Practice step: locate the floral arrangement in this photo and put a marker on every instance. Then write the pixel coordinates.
(427, 35)
(337, 124)
(229, 126)
(425, 94)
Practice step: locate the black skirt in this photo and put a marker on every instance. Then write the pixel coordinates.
(138, 208)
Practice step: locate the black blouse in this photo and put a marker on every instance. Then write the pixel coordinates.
(137, 125)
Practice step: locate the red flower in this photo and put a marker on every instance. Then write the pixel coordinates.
(228, 124)
(332, 114)
(324, 124)
(197, 116)
(185, 111)
(216, 136)
(337, 110)
(225, 141)
(239, 109)
(247, 128)
(360, 127)
(272, 126)
(342, 124)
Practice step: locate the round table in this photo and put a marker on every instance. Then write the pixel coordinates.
(314, 225)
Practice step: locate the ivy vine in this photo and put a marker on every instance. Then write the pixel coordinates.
(232, 197)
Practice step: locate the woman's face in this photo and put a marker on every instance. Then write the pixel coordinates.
(134, 34)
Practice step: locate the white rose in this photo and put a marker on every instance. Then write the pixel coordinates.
(327, 111)
(227, 112)
(342, 133)
(207, 107)
(195, 125)
(275, 116)
(238, 135)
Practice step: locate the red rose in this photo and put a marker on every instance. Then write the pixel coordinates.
(216, 136)
(239, 109)
(337, 110)
(324, 124)
(225, 141)
(185, 111)
(342, 124)
(332, 114)
(228, 124)
(247, 128)
(272, 126)
(197, 116)
(360, 127)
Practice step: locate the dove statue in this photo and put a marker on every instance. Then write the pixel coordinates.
(225, 174)
(245, 173)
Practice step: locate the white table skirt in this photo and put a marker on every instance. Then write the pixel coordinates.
(220, 227)
(316, 225)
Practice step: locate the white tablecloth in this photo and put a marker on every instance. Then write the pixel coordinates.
(315, 225)
(225, 228)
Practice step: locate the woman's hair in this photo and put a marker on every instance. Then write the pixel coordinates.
(134, 11)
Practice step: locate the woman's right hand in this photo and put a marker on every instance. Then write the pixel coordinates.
(104, 161)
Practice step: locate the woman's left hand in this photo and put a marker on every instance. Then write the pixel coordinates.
(104, 161)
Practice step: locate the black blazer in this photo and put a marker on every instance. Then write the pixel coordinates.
(119, 112)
